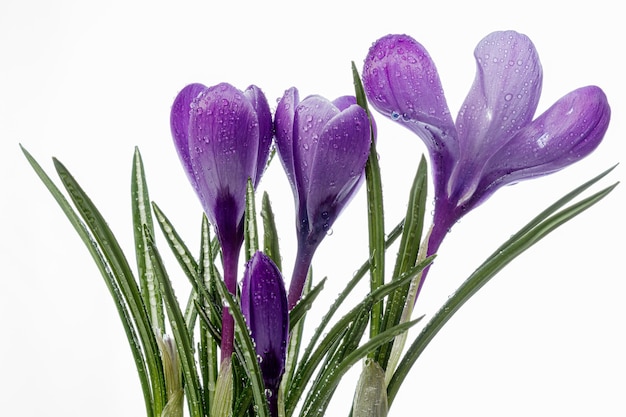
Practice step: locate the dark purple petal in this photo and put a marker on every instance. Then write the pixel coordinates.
(565, 133)
(264, 305)
(283, 126)
(502, 100)
(266, 128)
(339, 162)
(179, 123)
(223, 146)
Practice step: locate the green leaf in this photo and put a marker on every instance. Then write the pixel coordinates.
(407, 255)
(208, 343)
(124, 278)
(142, 216)
(305, 303)
(184, 345)
(176, 244)
(375, 211)
(270, 235)
(250, 228)
(109, 279)
(546, 222)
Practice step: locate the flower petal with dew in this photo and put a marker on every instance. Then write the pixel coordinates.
(495, 140)
(264, 305)
(222, 136)
(323, 147)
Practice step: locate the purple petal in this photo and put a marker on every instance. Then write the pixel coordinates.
(266, 129)
(264, 305)
(179, 123)
(344, 102)
(339, 162)
(223, 150)
(401, 81)
(312, 115)
(283, 126)
(565, 133)
(502, 100)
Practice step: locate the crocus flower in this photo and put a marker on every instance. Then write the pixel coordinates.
(323, 147)
(495, 140)
(223, 136)
(264, 305)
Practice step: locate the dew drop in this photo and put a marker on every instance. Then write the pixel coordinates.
(395, 115)
(508, 97)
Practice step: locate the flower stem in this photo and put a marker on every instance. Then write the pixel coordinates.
(300, 272)
(230, 260)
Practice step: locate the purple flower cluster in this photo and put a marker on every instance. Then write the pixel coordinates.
(223, 138)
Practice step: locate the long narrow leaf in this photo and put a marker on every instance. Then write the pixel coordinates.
(407, 255)
(125, 279)
(270, 237)
(179, 249)
(142, 216)
(109, 280)
(251, 233)
(375, 213)
(517, 244)
(208, 343)
(184, 345)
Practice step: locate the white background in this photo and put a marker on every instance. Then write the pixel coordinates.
(88, 81)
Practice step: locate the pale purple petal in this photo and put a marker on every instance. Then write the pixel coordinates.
(567, 132)
(502, 100)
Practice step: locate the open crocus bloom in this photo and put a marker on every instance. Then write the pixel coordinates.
(494, 141)
(264, 305)
(223, 137)
(323, 147)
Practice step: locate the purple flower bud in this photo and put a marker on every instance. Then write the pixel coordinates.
(223, 136)
(323, 146)
(264, 305)
(495, 140)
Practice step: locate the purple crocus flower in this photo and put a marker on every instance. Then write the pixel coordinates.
(323, 147)
(223, 136)
(264, 305)
(495, 140)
